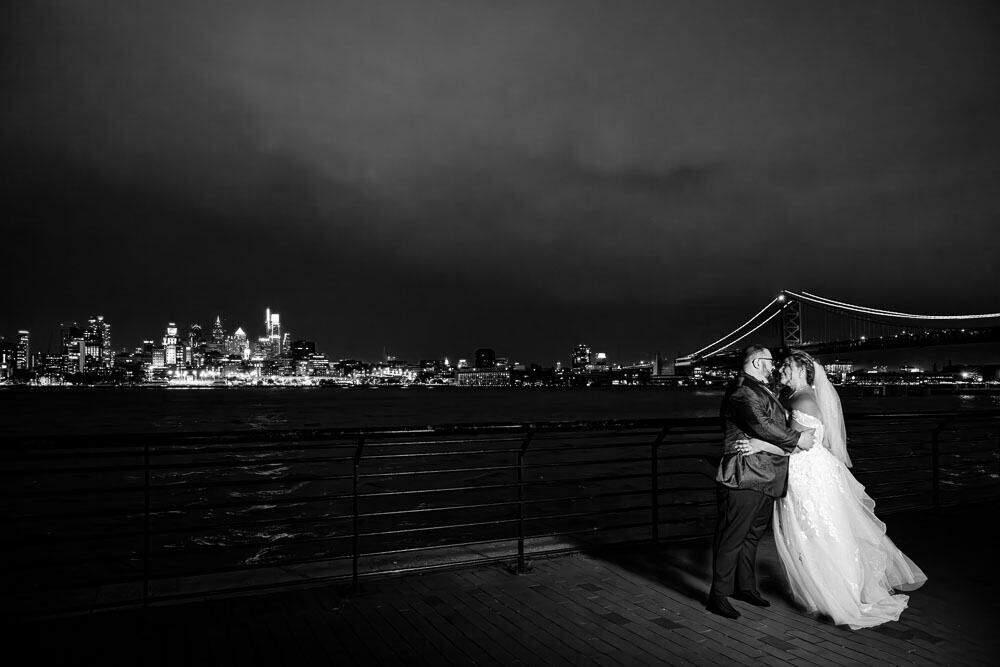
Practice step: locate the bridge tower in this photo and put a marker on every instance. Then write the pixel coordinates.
(791, 323)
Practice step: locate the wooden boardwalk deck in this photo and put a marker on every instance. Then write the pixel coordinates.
(626, 607)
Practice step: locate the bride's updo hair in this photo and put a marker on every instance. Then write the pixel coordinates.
(800, 358)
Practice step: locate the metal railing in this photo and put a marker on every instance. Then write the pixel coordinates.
(134, 520)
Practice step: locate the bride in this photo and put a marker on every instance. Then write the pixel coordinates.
(835, 552)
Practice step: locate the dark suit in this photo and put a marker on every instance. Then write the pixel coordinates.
(746, 486)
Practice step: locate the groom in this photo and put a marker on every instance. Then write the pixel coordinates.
(746, 486)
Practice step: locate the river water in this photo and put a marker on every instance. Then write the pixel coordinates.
(58, 410)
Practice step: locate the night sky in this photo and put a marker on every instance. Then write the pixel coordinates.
(432, 177)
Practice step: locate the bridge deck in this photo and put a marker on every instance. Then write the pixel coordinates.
(643, 606)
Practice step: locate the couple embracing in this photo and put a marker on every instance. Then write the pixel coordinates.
(785, 463)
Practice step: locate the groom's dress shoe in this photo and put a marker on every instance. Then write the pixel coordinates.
(751, 598)
(720, 605)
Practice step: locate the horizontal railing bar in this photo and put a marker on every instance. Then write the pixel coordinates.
(178, 449)
(430, 454)
(404, 492)
(432, 547)
(591, 514)
(424, 529)
(437, 471)
(586, 462)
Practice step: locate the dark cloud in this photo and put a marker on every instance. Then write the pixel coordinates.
(431, 177)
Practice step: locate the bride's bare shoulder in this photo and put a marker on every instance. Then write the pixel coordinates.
(806, 402)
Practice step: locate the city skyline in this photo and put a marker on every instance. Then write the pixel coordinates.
(438, 177)
(226, 332)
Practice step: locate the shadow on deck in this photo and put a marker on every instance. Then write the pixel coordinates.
(616, 607)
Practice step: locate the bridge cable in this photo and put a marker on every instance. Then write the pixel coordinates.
(887, 313)
(773, 315)
(734, 331)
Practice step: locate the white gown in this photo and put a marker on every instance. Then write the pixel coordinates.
(834, 550)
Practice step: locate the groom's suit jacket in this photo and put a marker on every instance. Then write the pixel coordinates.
(751, 410)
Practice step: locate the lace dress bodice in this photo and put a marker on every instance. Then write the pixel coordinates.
(809, 421)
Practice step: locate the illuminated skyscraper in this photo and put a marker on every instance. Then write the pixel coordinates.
(218, 331)
(23, 350)
(98, 341)
(272, 331)
(237, 344)
(217, 341)
(74, 348)
(581, 358)
(170, 346)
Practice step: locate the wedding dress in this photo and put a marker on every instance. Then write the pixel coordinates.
(834, 549)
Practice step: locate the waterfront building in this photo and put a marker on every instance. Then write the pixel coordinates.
(483, 377)
(581, 358)
(318, 364)
(23, 360)
(839, 369)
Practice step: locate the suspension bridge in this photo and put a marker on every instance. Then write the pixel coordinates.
(820, 325)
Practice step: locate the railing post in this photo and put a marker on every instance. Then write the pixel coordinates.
(355, 553)
(521, 569)
(654, 483)
(145, 525)
(936, 463)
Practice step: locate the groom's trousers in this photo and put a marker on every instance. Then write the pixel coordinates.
(743, 516)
